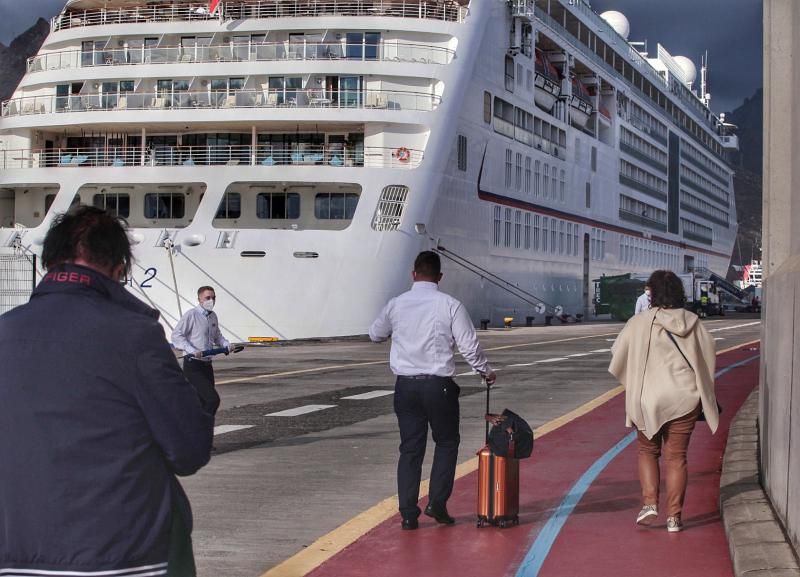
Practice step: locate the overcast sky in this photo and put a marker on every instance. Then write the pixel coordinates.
(730, 30)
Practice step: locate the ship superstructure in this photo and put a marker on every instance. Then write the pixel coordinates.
(297, 154)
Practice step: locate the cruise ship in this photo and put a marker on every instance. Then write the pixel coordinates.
(297, 154)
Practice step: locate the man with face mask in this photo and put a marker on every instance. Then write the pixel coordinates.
(643, 302)
(198, 331)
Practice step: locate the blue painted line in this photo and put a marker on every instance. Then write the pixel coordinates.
(533, 561)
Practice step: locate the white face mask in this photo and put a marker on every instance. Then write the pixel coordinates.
(208, 305)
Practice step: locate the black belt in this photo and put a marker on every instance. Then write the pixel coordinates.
(422, 377)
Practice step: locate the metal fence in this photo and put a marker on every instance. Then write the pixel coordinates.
(17, 280)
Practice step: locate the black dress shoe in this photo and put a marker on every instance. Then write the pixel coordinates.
(440, 514)
(409, 524)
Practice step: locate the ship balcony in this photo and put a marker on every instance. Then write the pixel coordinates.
(642, 219)
(263, 155)
(229, 53)
(444, 10)
(210, 100)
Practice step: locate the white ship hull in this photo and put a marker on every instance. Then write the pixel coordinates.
(315, 278)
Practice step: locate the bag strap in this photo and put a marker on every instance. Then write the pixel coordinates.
(487, 409)
(674, 342)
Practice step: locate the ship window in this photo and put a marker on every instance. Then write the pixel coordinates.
(509, 74)
(335, 205)
(362, 46)
(588, 195)
(462, 152)
(278, 205)
(527, 244)
(507, 228)
(164, 205)
(231, 206)
(49, 198)
(487, 107)
(497, 226)
(113, 203)
(389, 211)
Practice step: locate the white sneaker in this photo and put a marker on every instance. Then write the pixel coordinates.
(647, 515)
(674, 524)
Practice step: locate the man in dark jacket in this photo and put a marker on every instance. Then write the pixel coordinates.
(96, 419)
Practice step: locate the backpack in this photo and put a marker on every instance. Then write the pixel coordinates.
(518, 443)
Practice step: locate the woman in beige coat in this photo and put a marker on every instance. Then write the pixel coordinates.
(665, 358)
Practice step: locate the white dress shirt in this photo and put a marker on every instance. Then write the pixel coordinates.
(426, 326)
(198, 330)
(642, 303)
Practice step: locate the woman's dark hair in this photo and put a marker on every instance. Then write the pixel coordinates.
(88, 233)
(666, 290)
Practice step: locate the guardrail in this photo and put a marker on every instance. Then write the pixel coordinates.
(448, 11)
(207, 100)
(261, 155)
(265, 52)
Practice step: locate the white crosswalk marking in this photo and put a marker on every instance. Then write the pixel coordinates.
(369, 395)
(304, 410)
(222, 429)
(734, 327)
(579, 355)
(522, 365)
(719, 338)
(601, 351)
(553, 360)
(466, 374)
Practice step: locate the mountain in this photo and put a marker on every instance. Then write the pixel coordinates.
(747, 180)
(13, 58)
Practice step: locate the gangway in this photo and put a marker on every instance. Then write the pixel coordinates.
(722, 283)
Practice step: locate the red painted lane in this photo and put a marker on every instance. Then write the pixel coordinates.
(601, 538)
(559, 459)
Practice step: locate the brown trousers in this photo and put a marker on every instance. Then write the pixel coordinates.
(674, 438)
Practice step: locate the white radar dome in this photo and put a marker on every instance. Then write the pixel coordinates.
(688, 68)
(618, 22)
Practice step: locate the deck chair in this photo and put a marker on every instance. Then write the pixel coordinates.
(186, 58)
(232, 162)
(157, 103)
(272, 99)
(229, 102)
(122, 103)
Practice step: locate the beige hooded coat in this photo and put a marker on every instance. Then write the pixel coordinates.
(659, 385)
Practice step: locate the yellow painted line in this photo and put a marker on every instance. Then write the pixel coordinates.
(351, 365)
(332, 543)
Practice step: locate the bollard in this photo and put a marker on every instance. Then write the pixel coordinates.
(548, 320)
(484, 324)
(529, 321)
(578, 318)
(507, 321)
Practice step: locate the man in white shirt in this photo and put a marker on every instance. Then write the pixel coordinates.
(643, 302)
(198, 331)
(426, 326)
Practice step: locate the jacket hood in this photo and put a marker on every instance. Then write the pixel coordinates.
(677, 321)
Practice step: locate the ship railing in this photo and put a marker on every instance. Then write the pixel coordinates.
(263, 155)
(221, 100)
(642, 219)
(446, 10)
(639, 61)
(261, 52)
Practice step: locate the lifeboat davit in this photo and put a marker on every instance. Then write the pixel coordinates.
(547, 84)
(580, 104)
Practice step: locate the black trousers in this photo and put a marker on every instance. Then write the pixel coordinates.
(419, 402)
(201, 375)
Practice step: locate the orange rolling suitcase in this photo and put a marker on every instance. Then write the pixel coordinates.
(498, 485)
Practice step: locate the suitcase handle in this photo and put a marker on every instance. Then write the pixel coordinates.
(487, 408)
